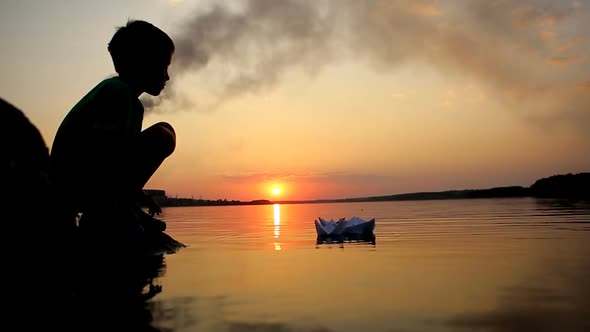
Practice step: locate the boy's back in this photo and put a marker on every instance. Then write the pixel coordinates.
(108, 109)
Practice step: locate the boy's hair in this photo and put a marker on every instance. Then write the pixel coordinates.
(138, 41)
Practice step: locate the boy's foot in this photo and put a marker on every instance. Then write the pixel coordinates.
(130, 220)
(116, 221)
(149, 223)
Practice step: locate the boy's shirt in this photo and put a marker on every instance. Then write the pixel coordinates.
(108, 117)
(109, 106)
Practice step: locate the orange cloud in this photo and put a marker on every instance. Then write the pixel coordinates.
(583, 86)
(424, 8)
(564, 60)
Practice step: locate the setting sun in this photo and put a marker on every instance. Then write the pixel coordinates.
(276, 191)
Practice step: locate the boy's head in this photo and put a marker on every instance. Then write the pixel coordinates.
(141, 54)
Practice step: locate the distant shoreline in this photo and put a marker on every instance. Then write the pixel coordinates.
(557, 186)
(499, 192)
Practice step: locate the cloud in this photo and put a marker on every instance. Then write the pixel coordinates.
(517, 50)
(290, 176)
(332, 184)
(564, 60)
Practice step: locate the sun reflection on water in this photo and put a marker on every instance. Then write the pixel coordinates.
(277, 223)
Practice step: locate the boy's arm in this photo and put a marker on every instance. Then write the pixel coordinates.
(146, 199)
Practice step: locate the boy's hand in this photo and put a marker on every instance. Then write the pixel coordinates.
(153, 207)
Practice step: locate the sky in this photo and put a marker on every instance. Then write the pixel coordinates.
(297, 100)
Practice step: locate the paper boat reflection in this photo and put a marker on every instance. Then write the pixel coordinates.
(354, 229)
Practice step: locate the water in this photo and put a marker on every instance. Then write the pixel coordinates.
(450, 265)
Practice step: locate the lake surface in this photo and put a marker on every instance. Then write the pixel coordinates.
(450, 265)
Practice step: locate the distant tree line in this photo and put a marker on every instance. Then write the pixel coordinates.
(556, 186)
(576, 186)
(514, 191)
(563, 186)
(169, 201)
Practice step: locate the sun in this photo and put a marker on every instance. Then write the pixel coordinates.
(276, 191)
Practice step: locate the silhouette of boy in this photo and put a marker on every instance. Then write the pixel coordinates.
(100, 158)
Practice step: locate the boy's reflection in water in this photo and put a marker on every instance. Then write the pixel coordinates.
(102, 292)
(112, 292)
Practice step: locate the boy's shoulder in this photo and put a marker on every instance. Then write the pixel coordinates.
(111, 95)
(113, 85)
(109, 90)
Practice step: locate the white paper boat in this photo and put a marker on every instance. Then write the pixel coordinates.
(343, 227)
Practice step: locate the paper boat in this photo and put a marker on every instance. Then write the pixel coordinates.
(342, 227)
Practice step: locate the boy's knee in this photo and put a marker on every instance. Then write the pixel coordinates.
(167, 126)
(166, 138)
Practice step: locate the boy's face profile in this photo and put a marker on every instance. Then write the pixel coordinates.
(152, 74)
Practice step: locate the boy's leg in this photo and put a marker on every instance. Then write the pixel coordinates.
(117, 187)
(155, 144)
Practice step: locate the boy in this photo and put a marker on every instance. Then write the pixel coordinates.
(100, 158)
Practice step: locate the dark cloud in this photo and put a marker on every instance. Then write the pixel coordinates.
(519, 50)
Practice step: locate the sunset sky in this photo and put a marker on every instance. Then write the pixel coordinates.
(329, 99)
